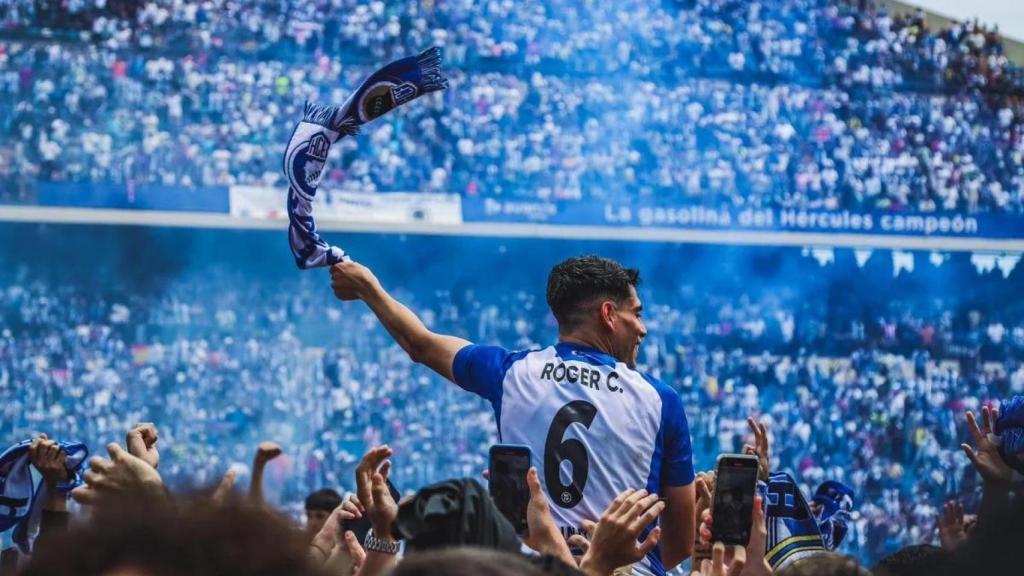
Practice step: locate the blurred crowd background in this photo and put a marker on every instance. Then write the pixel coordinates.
(806, 103)
(216, 336)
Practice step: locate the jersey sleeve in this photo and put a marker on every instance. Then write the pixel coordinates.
(677, 466)
(481, 370)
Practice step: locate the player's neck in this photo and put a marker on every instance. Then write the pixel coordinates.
(586, 340)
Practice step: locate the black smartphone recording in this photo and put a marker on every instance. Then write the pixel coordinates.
(732, 508)
(508, 468)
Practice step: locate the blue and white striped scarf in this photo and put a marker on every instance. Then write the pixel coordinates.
(793, 531)
(20, 506)
(1008, 434)
(306, 156)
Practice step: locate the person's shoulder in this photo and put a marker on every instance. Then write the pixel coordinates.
(655, 382)
(667, 394)
(517, 355)
(506, 355)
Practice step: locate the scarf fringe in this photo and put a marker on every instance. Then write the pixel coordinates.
(429, 62)
(348, 126)
(330, 117)
(321, 114)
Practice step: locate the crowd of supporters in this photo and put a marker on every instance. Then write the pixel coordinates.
(796, 103)
(868, 388)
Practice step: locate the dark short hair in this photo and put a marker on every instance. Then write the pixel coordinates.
(578, 282)
(324, 500)
(913, 560)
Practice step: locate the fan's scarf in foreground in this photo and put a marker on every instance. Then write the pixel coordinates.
(1008, 434)
(306, 156)
(793, 531)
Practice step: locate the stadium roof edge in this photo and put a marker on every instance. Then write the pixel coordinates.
(1014, 48)
(30, 214)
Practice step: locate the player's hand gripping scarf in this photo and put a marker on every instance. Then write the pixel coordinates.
(306, 156)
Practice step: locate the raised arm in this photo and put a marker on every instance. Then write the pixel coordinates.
(353, 281)
(265, 452)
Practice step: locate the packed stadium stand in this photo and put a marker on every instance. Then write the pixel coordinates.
(796, 103)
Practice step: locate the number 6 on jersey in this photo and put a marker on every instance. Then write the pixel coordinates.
(557, 450)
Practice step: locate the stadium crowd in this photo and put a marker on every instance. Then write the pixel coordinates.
(792, 40)
(869, 391)
(131, 110)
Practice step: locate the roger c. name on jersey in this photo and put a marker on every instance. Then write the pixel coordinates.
(581, 375)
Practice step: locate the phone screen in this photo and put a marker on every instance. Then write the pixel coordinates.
(508, 469)
(733, 507)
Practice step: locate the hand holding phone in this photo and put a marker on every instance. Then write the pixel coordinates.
(360, 526)
(509, 465)
(732, 507)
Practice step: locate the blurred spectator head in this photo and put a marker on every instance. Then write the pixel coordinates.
(466, 562)
(824, 564)
(157, 537)
(319, 506)
(912, 560)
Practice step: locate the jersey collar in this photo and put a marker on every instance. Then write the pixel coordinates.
(567, 350)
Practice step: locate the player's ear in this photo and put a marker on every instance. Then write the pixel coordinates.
(607, 311)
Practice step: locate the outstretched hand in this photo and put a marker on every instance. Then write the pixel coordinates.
(754, 563)
(542, 532)
(985, 454)
(337, 550)
(952, 532)
(759, 448)
(122, 473)
(267, 451)
(224, 487)
(141, 443)
(614, 543)
(372, 490)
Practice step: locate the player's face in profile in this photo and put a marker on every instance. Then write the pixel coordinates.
(629, 330)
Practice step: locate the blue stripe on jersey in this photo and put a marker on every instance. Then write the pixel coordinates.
(672, 462)
(674, 438)
(481, 370)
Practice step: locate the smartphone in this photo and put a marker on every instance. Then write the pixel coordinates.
(732, 507)
(360, 526)
(508, 468)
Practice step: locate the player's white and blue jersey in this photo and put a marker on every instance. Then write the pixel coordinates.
(595, 426)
